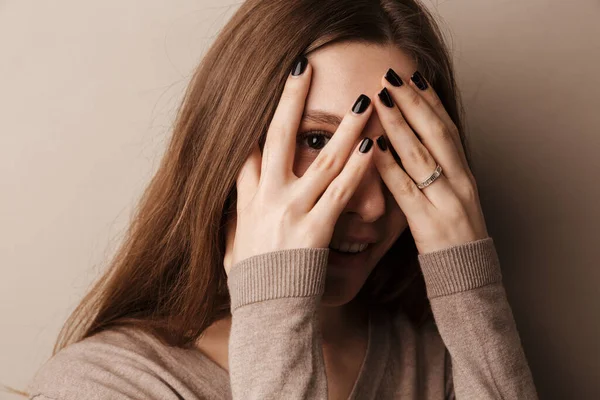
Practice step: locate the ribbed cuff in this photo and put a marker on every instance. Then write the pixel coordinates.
(283, 273)
(460, 268)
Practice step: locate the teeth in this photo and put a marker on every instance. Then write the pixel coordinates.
(347, 247)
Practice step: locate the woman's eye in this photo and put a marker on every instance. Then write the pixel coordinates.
(314, 140)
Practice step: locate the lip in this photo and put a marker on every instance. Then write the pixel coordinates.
(342, 261)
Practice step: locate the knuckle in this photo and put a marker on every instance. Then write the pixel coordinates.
(398, 122)
(337, 192)
(325, 162)
(417, 154)
(281, 211)
(466, 188)
(286, 213)
(436, 102)
(454, 130)
(443, 131)
(415, 99)
(406, 188)
(470, 191)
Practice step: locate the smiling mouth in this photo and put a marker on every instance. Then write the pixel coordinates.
(353, 250)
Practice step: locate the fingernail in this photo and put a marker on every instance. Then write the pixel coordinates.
(365, 145)
(381, 143)
(392, 77)
(418, 79)
(385, 97)
(300, 65)
(361, 104)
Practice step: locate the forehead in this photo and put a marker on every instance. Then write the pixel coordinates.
(344, 70)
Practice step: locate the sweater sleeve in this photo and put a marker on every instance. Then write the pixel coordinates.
(275, 349)
(475, 321)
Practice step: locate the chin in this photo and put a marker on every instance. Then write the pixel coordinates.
(345, 279)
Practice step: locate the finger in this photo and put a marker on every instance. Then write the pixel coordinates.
(411, 200)
(334, 155)
(280, 142)
(429, 128)
(248, 178)
(340, 190)
(417, 161)
(434, 101)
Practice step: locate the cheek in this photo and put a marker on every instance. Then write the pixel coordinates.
(397, 222)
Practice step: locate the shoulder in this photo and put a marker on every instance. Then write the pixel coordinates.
(119, 363)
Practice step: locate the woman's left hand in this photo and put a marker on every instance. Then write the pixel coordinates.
(447, 212)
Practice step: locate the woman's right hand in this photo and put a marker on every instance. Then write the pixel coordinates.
(276, 210)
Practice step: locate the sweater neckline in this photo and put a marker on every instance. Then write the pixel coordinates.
(376, 357)
(372, 367)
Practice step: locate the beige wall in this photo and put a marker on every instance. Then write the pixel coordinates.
(88, 90)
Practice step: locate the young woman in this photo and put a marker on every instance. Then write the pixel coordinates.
(280, 253)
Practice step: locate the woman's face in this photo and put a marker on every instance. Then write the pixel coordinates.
(341, 72)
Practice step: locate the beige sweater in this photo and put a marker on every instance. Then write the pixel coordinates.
(473, 350)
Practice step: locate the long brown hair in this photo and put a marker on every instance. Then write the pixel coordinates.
(167, 277)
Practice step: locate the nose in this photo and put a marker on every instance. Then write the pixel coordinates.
(368, 200)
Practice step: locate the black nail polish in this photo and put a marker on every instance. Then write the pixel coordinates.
(361, 104)
(392, 77)
(365, 145)
(381, 143)
(385, 97)
(300, 65)
(418, 79)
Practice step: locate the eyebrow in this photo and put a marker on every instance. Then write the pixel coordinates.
(323, 117)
